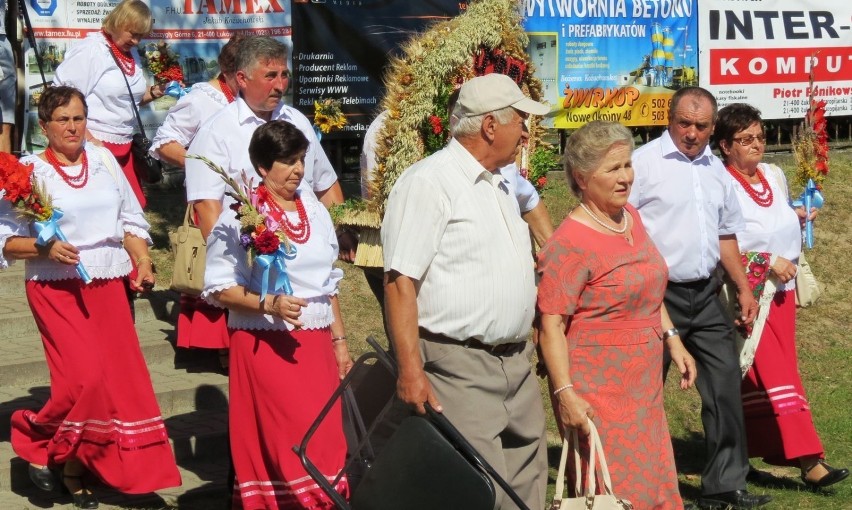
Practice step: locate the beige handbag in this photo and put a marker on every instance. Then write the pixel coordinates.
(590, 501)
(190, 250)
(807, 287)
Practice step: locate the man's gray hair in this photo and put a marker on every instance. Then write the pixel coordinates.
(257, 49)
(586, 148)
(467, 126)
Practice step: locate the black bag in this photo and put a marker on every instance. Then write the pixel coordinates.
(144, 165)
(150, 168)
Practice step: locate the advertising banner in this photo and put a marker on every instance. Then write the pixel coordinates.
(340, 50)
(618, 60)
(194, 29)
(765, 52)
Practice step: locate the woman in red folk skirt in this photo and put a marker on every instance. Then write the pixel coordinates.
(779, 425)
(288, 348)
(101, 416)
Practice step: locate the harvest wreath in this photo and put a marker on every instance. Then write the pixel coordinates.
(488, 37)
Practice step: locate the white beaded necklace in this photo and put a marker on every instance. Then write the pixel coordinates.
(604, 225)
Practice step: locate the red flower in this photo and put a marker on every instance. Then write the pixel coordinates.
(437, 127)
(266, 242)
(541, 182)
(15, 178)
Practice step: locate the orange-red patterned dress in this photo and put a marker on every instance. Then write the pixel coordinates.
(612, 292)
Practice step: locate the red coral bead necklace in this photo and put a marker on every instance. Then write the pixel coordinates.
(125, 60)
(229, 94)
(764, 197)
(299, 232)
(75, 181)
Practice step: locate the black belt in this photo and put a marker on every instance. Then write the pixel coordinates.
(472, 343)
(694, 284)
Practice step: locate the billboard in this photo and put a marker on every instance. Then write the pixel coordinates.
(340, 50)
(764, 52)
(612, 60)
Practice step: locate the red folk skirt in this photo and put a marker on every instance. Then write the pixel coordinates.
(201, 324)
(122, 153)
(102, 410)
(778, 420)
(279, 382)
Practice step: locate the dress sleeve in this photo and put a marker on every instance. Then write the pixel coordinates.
(180, 126)
(331, 286)
(82, 67)
(130, 215)
(565, 272)
(10, 226)
(227, 262)
(731, 218)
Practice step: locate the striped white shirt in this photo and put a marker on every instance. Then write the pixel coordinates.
(455, 228)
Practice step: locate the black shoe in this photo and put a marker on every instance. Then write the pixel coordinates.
(84, 498)
(734, 499)
(833, 476)
(43, 478)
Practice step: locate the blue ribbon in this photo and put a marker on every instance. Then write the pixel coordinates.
(174, 89)
(282, 281)
(318, 131)
(810, 197)
(47, 230)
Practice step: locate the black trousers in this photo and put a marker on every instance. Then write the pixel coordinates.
(708, 334)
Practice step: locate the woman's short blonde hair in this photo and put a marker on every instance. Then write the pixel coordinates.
(131, 15)
(587, 146)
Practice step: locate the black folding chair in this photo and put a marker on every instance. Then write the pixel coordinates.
(401, 460)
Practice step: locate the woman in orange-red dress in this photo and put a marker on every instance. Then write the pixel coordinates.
(603, 325)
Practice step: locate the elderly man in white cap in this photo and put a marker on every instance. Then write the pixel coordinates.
(460, 289)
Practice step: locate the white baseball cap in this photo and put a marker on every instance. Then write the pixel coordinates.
(493, 92)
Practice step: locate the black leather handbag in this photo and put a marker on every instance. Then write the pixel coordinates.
(149, 167)
(146, 165)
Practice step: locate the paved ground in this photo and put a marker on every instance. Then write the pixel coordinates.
(191, 390)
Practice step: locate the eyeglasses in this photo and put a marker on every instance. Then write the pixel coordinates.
(745, 141)
(64, 121)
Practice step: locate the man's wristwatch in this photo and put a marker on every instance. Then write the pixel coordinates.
(670, 333)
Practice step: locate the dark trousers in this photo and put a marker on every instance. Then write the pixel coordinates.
(707, 333)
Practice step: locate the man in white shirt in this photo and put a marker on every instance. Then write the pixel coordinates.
(533, 210)
(262, 78)
(460, 287)
(687, 203)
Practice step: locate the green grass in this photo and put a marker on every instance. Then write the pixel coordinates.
(825, 348)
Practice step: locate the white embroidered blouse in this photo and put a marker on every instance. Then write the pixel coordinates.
(89, 66)
(95, 218)
(774, 229)
(312, 273)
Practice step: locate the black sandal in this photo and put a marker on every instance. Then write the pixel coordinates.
(833, 476)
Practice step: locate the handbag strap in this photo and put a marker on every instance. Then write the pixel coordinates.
(132, 99)
(188, 220)
(572, 442)
(108, 164)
